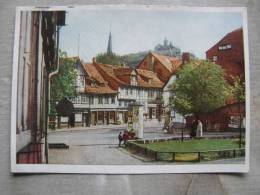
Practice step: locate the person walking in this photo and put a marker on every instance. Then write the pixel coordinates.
(125, 137)
(194, 125)
(120, 139)
(199, 129)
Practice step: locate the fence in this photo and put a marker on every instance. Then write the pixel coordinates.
(190, 156)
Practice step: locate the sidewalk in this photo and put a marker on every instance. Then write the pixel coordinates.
(73, 129)
(148, 123)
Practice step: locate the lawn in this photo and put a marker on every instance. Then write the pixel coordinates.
(211, 149)
(194, 145)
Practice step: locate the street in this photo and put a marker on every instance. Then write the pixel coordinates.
(99, 145)
(96, 145)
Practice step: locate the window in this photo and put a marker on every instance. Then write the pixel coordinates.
(234, 122)
(78, 99)
(100, 100)
(131, 91)
(91, 100)
(120, 103)
(84, 99)
(154, 112)
(133, 80)
(126, 91)
(158, 94)
(82, 81)
(224, 47)
(214, 58)
(106, 100)
(150, 94)
(113, 100)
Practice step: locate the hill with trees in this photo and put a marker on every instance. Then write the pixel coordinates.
(132, 59)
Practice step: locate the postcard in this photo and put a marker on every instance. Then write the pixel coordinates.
(136, 89)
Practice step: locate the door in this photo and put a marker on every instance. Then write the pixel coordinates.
(150, 113)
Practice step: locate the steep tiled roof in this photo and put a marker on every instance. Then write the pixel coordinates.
(148, 78)
(108, 70)
(171, 63)
(99, 90)
(97, 84)
(93, 73)
(121, 75)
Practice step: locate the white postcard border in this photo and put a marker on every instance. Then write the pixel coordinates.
(128, 169)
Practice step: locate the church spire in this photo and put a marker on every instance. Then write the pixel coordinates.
(109, 45)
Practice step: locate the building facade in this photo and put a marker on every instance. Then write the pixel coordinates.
(229, 54)
(105, 91)
(37, 57)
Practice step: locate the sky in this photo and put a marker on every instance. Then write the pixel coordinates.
(135, 30)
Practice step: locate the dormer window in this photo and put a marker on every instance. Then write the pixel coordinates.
(93, 84)
(133, 78)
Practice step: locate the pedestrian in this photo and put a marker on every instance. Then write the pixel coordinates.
(194, 125)
(125, 137)
(120, 139)
(199, 129)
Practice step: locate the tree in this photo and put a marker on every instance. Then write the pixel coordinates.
(238, 92)
(63, 84)
(200, 87)
(113, 59)
(238, 89)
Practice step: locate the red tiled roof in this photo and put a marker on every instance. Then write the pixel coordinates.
(97, 84)
(149, 79)
(171, 63)
(108, 70)
(93, 73)
(99, 90)
(121, 75)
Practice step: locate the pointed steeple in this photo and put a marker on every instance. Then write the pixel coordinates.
(109, 45)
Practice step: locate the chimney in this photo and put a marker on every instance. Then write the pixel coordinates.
(185, 57)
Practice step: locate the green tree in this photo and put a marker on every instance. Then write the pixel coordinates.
(63, 84)
(238, 89)
(238, 92)
(113, 59)
(200, 87)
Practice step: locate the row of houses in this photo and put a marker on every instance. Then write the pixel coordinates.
(105, 91)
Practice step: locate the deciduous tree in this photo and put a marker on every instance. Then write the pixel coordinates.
(200, 87)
